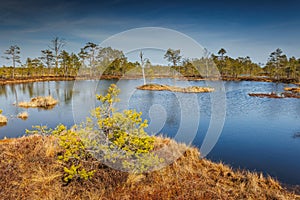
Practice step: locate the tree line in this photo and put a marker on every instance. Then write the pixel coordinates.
(93, 59)
(278, 66)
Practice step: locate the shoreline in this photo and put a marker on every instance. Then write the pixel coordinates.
(32, 162)
(132, 77)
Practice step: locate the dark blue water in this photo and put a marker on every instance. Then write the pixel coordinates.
(257, 133)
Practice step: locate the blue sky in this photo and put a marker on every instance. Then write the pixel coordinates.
(244, 28)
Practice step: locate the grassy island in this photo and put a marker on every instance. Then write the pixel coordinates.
(289, 92)
(23, 115)
(190, 89)
(293, 89)
(39, 102)
(3, 120)
(275, 95)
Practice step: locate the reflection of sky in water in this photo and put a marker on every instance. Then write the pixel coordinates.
(257, 133)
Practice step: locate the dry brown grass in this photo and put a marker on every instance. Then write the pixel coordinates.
(39, 102)
(296, 90)
(29, 170)
(191, 89)
(275, 95)
(3, 120)
(23, 115)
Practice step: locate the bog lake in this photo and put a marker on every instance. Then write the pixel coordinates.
(258, 134)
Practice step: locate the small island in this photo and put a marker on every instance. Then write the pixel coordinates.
(190, 89)
(290, 92)
(293, 89)
(3, 120)
(275, 95)
(39, 102)
(23, 115)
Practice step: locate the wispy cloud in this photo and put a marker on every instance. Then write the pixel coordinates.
(254, 28)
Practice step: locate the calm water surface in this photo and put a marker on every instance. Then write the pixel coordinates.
(257, 134)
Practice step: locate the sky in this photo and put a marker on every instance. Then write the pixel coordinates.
(243, 28)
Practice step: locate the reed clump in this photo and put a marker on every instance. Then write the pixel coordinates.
(23, 115)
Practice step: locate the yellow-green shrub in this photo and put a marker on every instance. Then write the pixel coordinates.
(127, 142)
(113, 137)
(73, 151)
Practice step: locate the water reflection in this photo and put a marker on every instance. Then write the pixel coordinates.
(169, 115)
(11, 94)
(296, 135)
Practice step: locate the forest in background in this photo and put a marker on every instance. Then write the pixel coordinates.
(93, 60)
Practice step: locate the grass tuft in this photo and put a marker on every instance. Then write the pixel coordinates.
(3, 120)
(23, 115)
